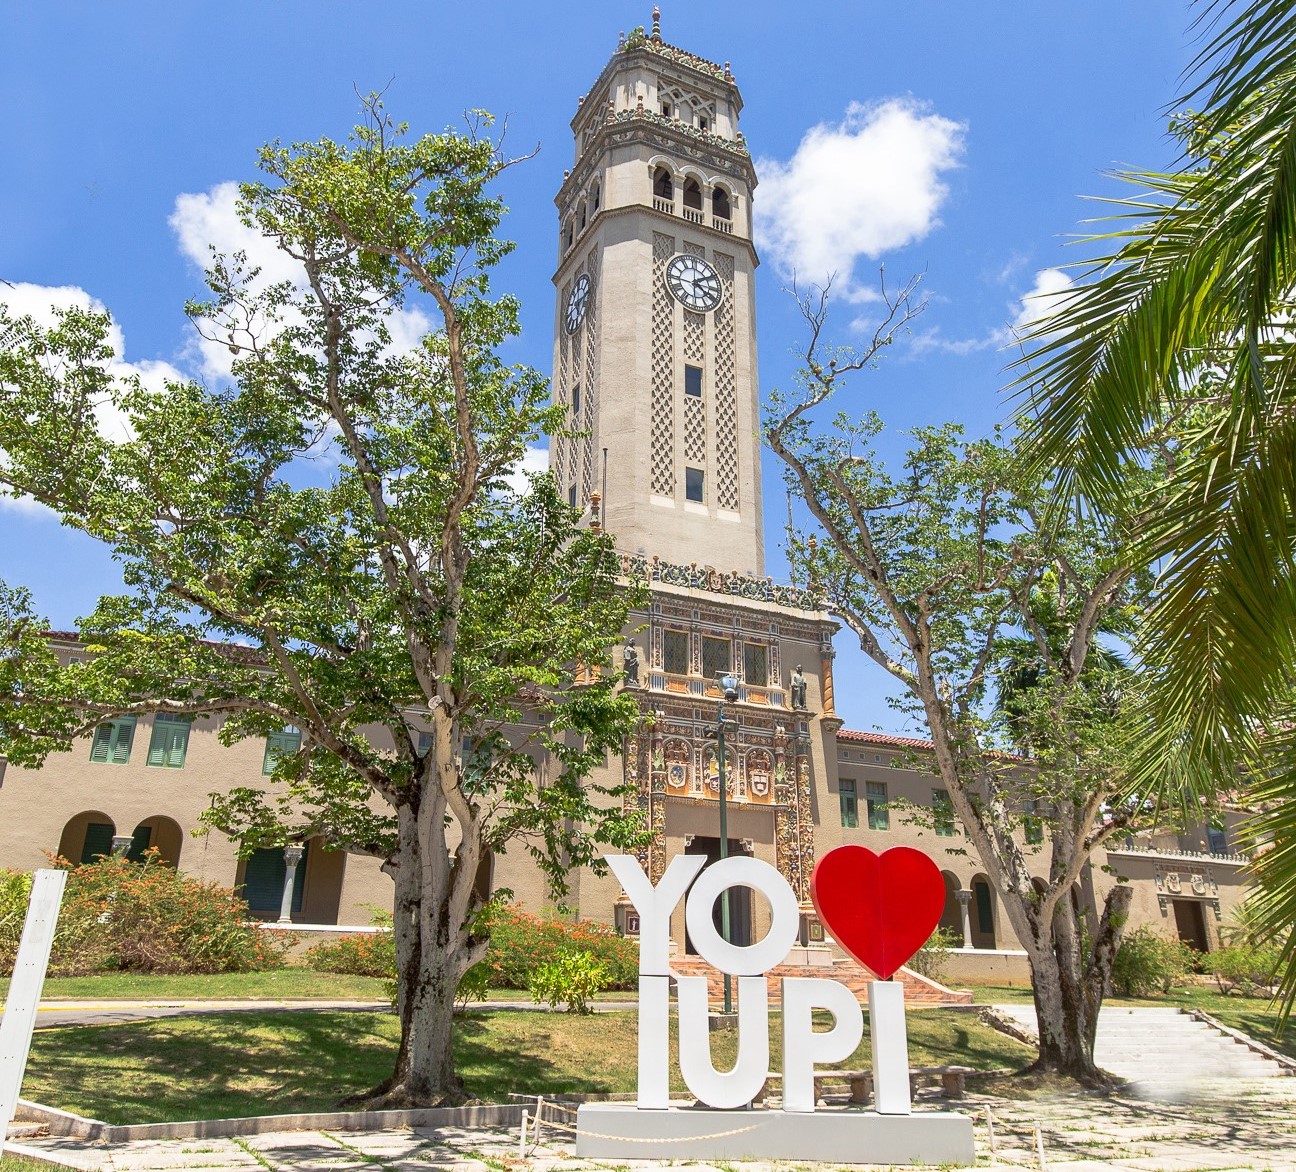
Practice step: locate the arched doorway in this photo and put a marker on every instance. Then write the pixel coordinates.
(740, 898)
(161, 833)
(87, 837)
(952, 916)
(982, 913)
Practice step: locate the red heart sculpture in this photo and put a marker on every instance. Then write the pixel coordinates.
(880, 908)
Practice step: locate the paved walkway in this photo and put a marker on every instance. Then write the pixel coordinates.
(1166, 1054)
(1240, 1125)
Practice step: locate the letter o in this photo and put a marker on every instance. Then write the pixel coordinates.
(785, 917)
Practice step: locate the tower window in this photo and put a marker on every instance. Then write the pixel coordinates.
(720, 206)
(716, 654)
(666, 109)
(693, 382)
(692, 194)
(675, 652)
(582, 218)
(571, 496)
(663, 185)
(576, 401)
(693, 484)
(567, 236)
(594, 198)
(702, 123)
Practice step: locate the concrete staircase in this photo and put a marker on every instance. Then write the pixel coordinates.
(1164, 1052)
(919, 990)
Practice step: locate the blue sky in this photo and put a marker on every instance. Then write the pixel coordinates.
(951, 139)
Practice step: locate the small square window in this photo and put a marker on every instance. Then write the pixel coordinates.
(846, 799)
(693, 381)
(694, 484)
(675, 648)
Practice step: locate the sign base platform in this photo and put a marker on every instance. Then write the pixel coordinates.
(831, 1135)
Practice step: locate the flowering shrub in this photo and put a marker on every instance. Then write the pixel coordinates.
(520, 943)
(1149, 962)
(141, 918)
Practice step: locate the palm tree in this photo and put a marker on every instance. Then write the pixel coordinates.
(1177, 344)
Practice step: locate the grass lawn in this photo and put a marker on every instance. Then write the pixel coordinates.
(271, 1063)
(292, 984)
(19, 1164)
(1251, 1015)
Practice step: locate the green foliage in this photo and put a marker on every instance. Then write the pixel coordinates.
(521, 942)
(932, 959)
(409, 572)
(571, 978)
(1150, 962)
(474, 985)
(1246, 968)
(359, 954)
(1174, 338)
(119, 916)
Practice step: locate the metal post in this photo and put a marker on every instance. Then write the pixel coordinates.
(724, 850)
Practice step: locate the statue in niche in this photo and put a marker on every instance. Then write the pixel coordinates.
(798, 689)
(631, 665)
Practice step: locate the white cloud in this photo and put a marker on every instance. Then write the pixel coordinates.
(1046, 296)
(207, 223)
(862, 187)
(535, 460)
(42, 302)
(1043, 298)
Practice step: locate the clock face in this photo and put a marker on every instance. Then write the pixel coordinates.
(694, 283)
(576, 303)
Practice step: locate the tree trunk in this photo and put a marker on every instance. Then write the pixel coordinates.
(1070, 981)
(429, 966)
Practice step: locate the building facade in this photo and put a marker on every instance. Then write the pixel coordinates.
(655, 362)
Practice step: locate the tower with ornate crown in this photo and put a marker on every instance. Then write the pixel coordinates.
(654, 331)
(655, 362)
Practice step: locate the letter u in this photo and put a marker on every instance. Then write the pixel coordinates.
(739, 1086)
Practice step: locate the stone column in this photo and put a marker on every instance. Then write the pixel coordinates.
(292, 858)
(965, 900)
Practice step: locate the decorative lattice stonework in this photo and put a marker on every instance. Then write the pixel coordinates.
(694, 338)
(692, 249)
(562, 394)
(695, 432)
(663, 371)
(726, 404)
(589, 396)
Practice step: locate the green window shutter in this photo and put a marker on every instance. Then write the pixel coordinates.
(101, 746)
(112, 741)
(846, 802)
(98, 841)
(123, 736)
(879, 817)
(985, 910)
(142, 840)
(280, 744)
(169, 742)
(263, 880)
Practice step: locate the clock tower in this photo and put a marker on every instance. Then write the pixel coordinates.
(655, 338)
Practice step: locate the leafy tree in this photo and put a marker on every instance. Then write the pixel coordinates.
(1181, 324)
(944, 573)
(332, 541)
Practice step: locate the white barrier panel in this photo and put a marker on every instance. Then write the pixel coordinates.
(25, 989)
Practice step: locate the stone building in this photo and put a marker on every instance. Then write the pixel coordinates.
(655, 360)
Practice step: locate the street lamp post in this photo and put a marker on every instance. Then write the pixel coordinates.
(729, 686)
